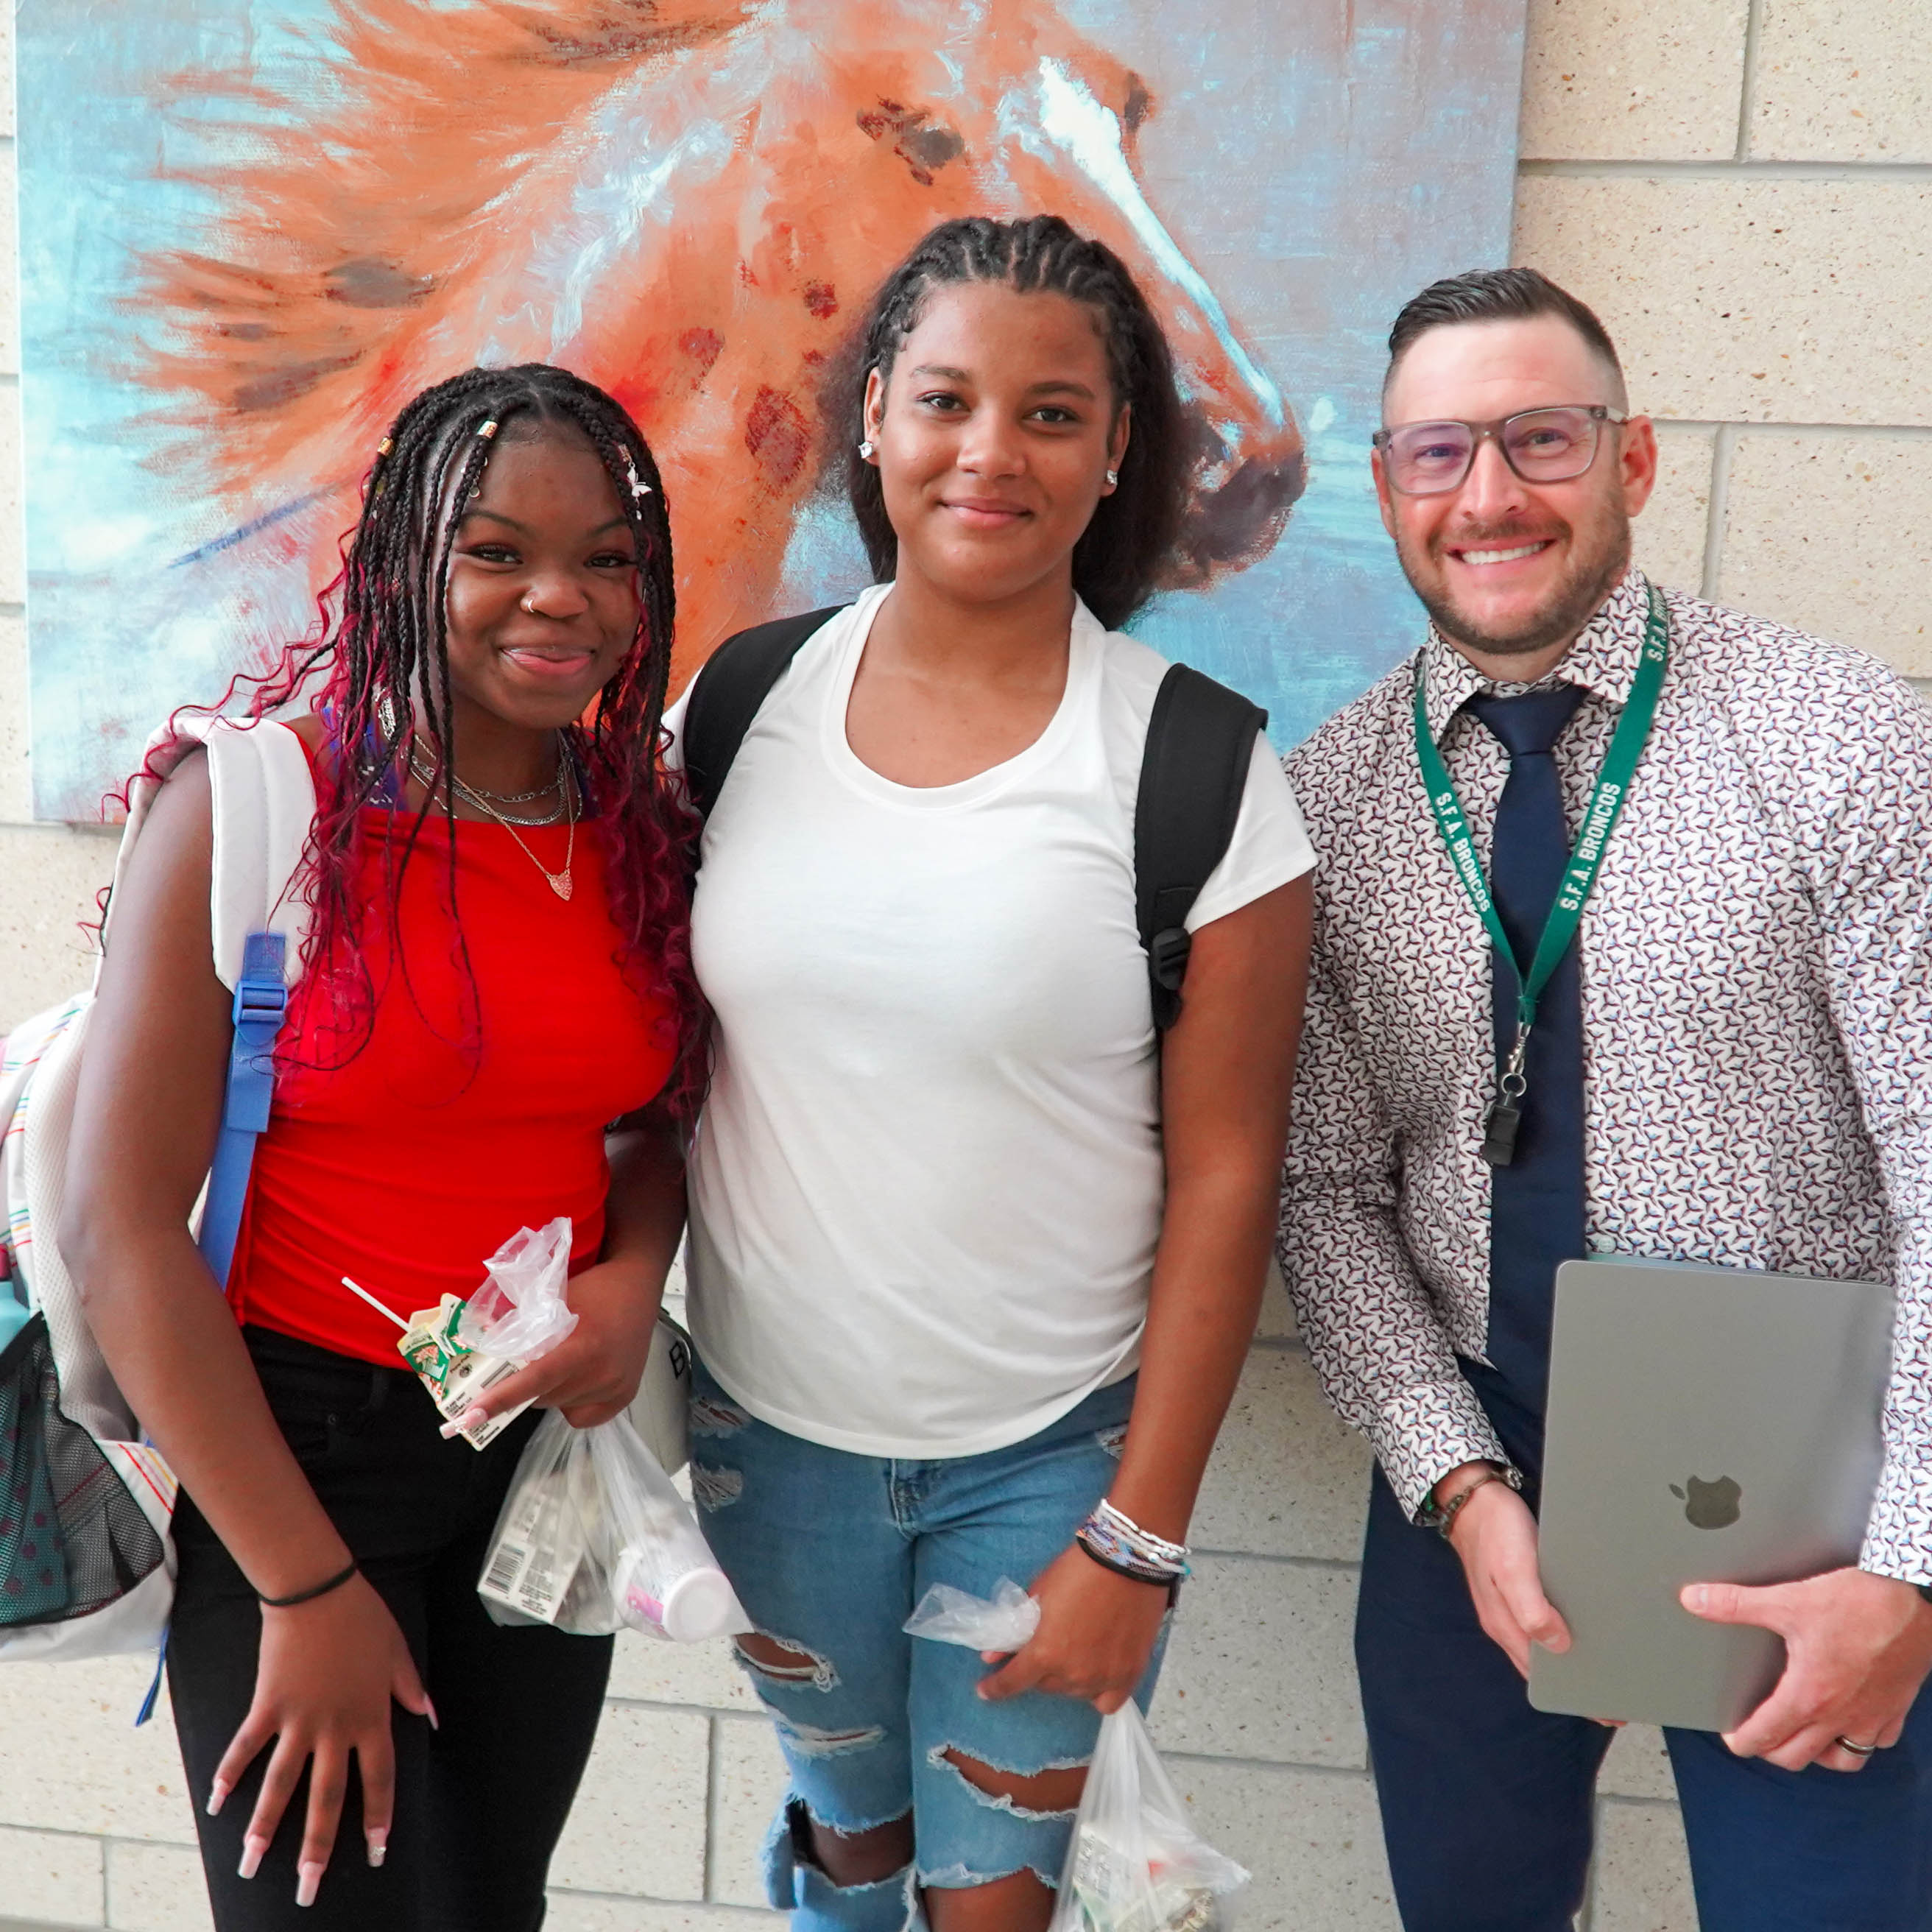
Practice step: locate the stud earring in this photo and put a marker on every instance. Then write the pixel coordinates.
(866, 448)
(1113, 478)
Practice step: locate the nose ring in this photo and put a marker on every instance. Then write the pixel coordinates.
(526, 606)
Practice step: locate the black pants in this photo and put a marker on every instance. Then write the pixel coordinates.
(1487, 1803)
(481, 1801)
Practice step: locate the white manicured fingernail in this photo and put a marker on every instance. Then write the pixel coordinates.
(218, 1796)
(252, 1850)
(308, 1881)
(378, 1846)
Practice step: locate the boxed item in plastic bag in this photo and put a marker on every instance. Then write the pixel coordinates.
(461, 1348)
(1136, 1863)
(593, 1537)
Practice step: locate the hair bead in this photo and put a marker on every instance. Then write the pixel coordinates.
(487, 430)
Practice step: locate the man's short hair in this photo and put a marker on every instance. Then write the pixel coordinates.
(1500, 294)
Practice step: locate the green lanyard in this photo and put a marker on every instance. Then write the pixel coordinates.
(1586, 857)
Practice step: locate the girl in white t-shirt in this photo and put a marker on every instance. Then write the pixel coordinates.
(975, 1256)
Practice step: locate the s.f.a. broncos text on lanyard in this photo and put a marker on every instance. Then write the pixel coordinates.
(1586, 857)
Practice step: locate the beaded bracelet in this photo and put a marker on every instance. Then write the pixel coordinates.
(1157, 1547)
(1112, 1537)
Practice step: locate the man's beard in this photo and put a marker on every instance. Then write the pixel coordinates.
(1592, 575)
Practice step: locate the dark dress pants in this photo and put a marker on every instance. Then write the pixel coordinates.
(481, 1801)
(1487, 1803)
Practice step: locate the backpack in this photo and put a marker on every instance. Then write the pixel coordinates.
(88, 1570)
(86, 1567)
(1194, 769)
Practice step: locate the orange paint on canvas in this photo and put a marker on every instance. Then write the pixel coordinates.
(688, 204)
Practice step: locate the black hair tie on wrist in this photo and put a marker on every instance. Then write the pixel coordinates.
(334, 1583)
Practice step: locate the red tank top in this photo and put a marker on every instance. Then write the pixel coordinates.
(464, 1117)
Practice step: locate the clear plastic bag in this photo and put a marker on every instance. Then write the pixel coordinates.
(520, 1312)
(593, 1537)
(1005, 1623)
(1136, 1863)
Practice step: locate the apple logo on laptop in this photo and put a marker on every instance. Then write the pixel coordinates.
(1709, 1505)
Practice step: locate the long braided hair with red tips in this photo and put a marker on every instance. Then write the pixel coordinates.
(379, 671)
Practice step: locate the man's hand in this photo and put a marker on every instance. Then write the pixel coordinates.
(1495, 1535)
(1857, 1647)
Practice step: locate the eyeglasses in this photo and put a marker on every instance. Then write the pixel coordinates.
(1551, 445)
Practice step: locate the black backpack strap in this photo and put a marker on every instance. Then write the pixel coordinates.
(1200, 743)
(731, 685)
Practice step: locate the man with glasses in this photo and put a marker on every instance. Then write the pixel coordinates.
(1706, 1036)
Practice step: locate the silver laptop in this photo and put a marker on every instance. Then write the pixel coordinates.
(1705, 1425)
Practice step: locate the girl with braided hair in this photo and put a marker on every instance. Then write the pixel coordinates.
(975, 1256)
(497, 967)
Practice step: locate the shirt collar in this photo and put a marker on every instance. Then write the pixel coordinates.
(1603, 660)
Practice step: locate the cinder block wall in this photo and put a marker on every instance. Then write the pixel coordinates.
(1743, 189)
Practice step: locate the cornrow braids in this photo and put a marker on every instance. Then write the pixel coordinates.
(1123, 555)
(381, 649)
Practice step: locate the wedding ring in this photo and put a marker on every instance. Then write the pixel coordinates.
(1857, 1750)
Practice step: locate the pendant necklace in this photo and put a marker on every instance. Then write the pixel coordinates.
(559, 882)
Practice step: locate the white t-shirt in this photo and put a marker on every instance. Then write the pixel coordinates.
(927, 1186)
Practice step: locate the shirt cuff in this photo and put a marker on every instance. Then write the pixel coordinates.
(1898, 1538)
(1428, 1430)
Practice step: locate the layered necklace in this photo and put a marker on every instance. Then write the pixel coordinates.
(564, 784)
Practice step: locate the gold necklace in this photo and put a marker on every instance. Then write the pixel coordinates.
(559, 882)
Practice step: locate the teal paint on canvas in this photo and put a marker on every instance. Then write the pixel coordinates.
(246, 235)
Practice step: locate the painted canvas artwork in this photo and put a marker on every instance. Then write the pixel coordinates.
(251, 228)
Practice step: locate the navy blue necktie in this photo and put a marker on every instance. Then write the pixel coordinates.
(1536, 1216)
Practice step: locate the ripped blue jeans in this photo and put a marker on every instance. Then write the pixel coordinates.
(829, 1552)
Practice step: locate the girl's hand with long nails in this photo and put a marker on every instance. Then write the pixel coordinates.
(593, 1373)
(329, 1672)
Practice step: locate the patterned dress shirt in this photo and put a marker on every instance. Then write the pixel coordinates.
(1757, 1019)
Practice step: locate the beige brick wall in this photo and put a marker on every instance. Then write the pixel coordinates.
(1742, 188)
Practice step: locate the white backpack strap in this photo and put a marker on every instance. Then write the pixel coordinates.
(264, 808)
(264, 811)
